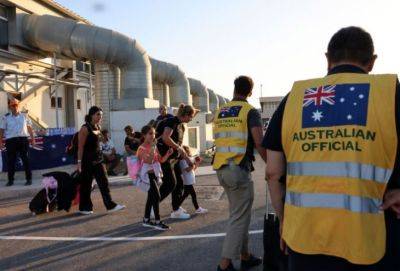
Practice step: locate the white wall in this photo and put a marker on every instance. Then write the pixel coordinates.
(136, 118)
(85, 105)
(3, 103)
(205, 130)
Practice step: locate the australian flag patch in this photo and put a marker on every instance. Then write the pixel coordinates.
(229, 112)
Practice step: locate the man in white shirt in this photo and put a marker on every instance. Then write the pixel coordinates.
(110, 156)
(16, 127)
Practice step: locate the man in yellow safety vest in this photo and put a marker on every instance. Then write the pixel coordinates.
(237, 132)
(336, 139)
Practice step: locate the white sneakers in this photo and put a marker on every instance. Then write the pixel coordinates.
(85, 212)
(201, 211)
(179, 214)
(117, 207)
(183, 210)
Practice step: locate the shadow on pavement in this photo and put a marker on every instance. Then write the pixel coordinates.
(44, 256)
(37, 220)
(186, 254)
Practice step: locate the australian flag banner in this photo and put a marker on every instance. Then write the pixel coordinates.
(336, 105)
(49, 152)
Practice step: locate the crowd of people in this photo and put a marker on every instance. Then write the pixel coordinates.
(338, 206)
(166, 165)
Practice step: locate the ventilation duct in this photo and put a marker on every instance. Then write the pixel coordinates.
(221, 100)
(80, 41)
(213, 98)
(200, 95)
(167, 73)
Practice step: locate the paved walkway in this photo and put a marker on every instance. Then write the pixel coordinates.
(102, 241)
(19, 190)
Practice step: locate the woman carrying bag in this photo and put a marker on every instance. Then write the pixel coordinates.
(90, 164)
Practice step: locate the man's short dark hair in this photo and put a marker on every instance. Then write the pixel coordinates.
(104, 131)
(351, 44)
(128, 127)
(243, 85)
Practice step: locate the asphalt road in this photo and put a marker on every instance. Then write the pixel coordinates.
(174, 253)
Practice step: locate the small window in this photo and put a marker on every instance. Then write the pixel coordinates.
(53, 102)
(78, 104)
(3, 28)
(59, 102)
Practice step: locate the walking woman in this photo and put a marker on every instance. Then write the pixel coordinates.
(170, 132)
(90, 164)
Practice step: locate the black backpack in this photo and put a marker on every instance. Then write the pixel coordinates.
(72, 148)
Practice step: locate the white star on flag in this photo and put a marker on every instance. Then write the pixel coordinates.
(317, 116)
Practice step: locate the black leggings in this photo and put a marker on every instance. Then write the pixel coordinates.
(97, 171)
(153, 199)
(172, 182)
(189, 190)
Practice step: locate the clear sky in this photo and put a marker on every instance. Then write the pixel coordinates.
(273, 41)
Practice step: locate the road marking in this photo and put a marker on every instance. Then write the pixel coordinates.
(118, 239)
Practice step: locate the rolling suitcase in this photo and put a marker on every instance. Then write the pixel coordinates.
(274, 258)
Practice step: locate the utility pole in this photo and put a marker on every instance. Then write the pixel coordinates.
(55, 87)
(261, 90)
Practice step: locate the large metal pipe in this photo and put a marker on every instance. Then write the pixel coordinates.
(221, 100)
(75, 40)
(179, 90)
(213, 98)
(200, 95)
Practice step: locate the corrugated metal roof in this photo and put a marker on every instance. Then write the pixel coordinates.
(54, 4)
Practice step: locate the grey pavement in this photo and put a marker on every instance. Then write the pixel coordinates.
(181, 254)
(19, 190)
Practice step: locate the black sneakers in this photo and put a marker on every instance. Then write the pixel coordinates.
(10, 183)
(148, 223)
(161, 226)
(251, 262)
(28, 182)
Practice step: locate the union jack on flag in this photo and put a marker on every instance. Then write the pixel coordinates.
(39, 143)
(319, 95)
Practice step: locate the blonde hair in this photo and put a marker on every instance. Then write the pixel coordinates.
(187, 150)
(185, 110)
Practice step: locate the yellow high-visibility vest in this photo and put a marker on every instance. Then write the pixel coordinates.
(230, 133)
(339, 138)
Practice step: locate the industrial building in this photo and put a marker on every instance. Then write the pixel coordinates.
(58, 64)
(268, 107)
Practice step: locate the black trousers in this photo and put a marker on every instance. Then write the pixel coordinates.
(189, 190)
(97, 171)
(172, 183)
(18, 146)
(153, 199)
(302, 262)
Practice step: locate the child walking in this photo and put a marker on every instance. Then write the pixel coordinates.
(189, 179)
(150, 177)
